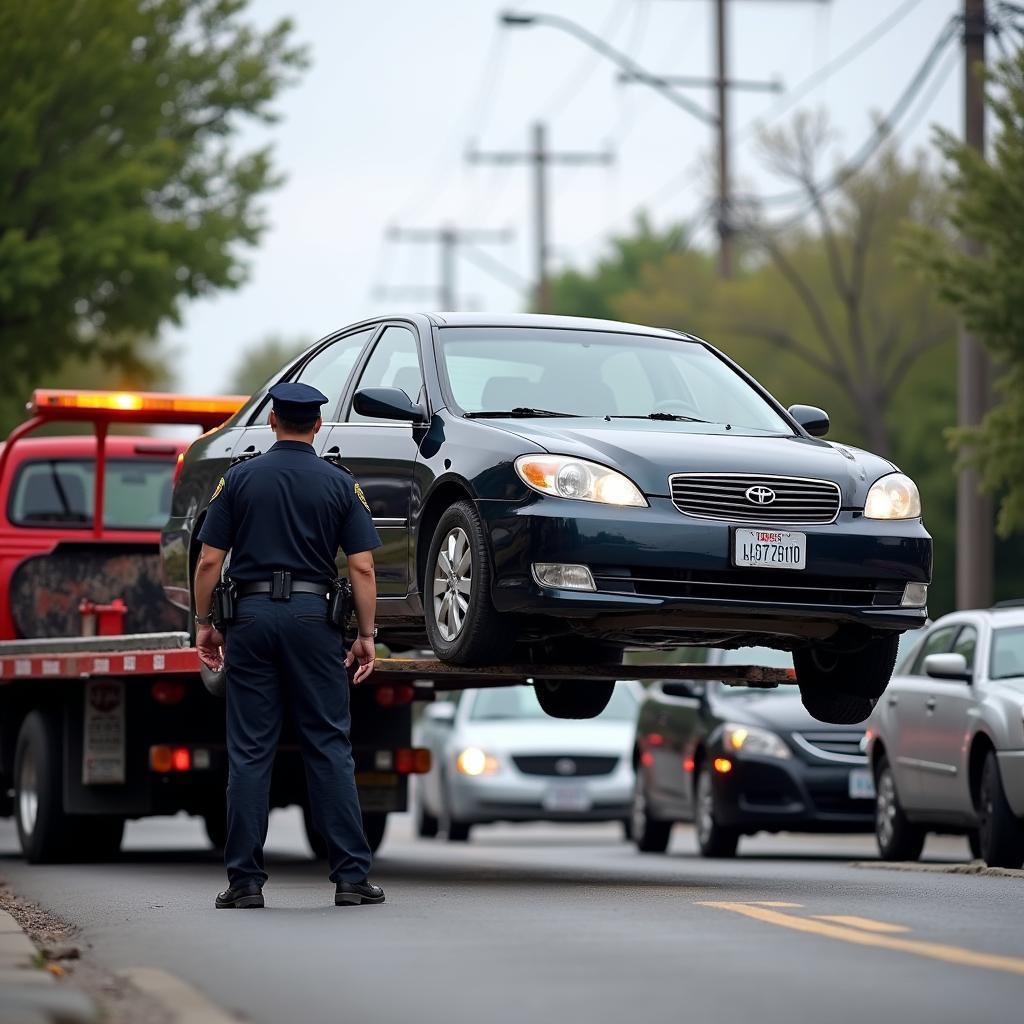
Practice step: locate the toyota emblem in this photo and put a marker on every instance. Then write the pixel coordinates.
(565, 766)
(760, 495)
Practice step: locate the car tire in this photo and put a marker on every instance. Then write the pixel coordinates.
(475, 634)
(573, 698)
(835, 708)
(427, 826)
(1001, 832)
(898, 838)
(713, 839)
(44, 830)
(974, 844)
(862, 673)
(651, 835)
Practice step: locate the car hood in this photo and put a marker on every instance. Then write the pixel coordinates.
(537, 736)
(780, 712)
(650, 451)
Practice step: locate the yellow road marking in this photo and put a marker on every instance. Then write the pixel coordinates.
(931, 950)
(772, 903)
(862, 922)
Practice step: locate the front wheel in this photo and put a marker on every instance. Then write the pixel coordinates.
(1001, 832)
(651, 835)
(841, 687)
(713, 839)
(898, 838)
(462, 624)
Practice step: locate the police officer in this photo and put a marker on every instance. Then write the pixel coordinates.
(283, 516)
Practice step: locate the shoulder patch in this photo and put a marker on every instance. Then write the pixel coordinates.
(218, 489)
(362, 497)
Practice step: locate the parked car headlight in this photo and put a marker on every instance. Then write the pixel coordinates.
(473, 761)
(749, 739)
(893, 497)
(566, 477)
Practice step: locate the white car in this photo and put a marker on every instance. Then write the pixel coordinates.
(498, 757)
(947, 738)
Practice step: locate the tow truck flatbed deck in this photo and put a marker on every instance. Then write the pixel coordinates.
(148, 654)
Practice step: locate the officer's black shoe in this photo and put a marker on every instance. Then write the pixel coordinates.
(245, 897)
(352, 894)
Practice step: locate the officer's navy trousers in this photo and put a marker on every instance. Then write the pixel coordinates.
(284, 654)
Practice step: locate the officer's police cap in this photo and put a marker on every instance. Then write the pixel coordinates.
(297, 402)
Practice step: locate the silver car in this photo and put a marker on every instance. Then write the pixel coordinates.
(947, 739)
(498, 757)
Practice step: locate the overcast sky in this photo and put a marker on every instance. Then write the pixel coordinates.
(375, 134)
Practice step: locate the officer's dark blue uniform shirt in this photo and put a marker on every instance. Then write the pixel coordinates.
(291, 510)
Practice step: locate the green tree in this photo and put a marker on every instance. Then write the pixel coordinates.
(120, 193)
(984, 282)
(261, 361)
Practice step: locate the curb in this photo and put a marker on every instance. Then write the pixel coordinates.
(29, 995)
(975, 867)
(185, 1003)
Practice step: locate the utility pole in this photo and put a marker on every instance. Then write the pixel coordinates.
(448, 239)
(539, 157)
(974, 513)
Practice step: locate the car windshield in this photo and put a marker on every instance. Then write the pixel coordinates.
(1007, 659)
(767, 657)
(59, 492)
(590, 373)
(503, 703)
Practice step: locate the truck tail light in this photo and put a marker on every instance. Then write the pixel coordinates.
(181, 759)
(388, 696)
(412, 761)
(164, 759)
(168, 692)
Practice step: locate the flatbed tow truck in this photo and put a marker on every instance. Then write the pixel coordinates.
(96, 730)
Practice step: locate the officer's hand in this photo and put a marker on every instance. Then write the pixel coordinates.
(363, 651)
(210, 642)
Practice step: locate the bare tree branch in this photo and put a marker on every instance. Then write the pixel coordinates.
(786, 341)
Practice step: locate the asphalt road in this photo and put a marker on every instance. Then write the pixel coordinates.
(541, 924)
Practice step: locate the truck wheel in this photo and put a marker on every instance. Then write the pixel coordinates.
(1001, 832)
(864, 673)
(573, 698)
(650, 834)
(463, 626)
(427, 826)
(43, 828)
(898, 837)
(713, 839)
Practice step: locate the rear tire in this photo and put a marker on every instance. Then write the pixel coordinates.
(427, 826)
(651, 835)
(713, 839)
(44, 830)
(898, 838)
(836, 708)
(463, 626)
(573, 698)
(825, 671)
(1001, 832)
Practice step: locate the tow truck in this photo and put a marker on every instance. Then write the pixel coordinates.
(101, 723)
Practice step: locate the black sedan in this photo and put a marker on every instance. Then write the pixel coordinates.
(736, 762)
(553, 489)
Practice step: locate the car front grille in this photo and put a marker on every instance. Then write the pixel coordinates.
(833, 745)
(794, 501)
(564, 766)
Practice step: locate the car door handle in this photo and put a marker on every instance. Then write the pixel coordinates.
(249, 453)
(930, 703)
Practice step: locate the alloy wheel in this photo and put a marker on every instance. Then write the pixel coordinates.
(885, 810)
(28, 793)
(453, 583)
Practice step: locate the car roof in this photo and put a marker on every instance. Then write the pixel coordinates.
(551, 322)
(1011, 615)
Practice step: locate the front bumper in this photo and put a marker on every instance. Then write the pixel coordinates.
(663, 576)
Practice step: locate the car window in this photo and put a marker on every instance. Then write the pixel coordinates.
(966, 644)
(1007, 660)
(394, 363)
(328, 371)
(940, 641)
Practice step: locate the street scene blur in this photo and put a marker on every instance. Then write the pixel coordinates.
(636, 386)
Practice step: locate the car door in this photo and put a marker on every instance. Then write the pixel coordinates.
(381, 453)
(669, 740)
(948, 707)
(328, 370)
(906, 719)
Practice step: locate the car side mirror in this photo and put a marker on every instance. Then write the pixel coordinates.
(442, 712)
(387, 404)
(947, 666)
(685, 688)
(811, 418)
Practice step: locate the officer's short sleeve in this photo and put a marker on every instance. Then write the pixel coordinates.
(357, 530)
(219, 528)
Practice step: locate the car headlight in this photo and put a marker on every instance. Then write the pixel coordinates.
(564, 477)
(893, 497)
(749, 739)
(473, 762)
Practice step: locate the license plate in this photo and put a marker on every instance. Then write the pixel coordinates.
(769, 549)
(862, 784)
(567, 798)
(103, 739)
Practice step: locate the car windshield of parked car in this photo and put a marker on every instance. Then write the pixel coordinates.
(591, 373)
(1008, 654)
(60, 492)
(503, 703)
(767, 657)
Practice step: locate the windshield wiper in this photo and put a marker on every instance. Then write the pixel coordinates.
(519, 410)
(678, 417)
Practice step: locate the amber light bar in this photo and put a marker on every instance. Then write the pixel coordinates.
(134, 406)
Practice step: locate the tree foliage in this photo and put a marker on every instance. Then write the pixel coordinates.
(984, 281)
(120, 193)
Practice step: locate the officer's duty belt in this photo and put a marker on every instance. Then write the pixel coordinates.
(282, 590)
